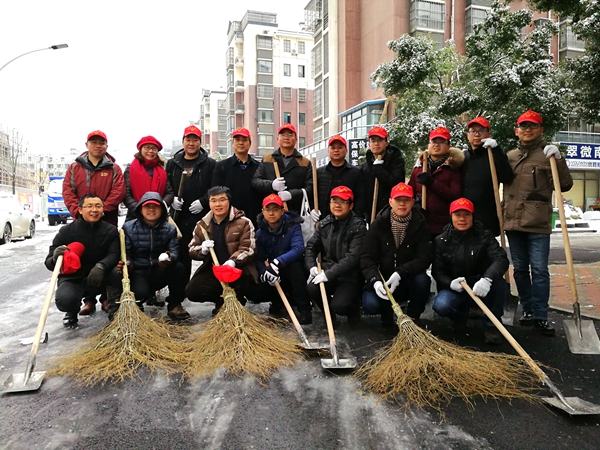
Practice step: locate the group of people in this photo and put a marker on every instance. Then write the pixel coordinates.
(372, 228)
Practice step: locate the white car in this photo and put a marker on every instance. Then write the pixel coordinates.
(15, 220)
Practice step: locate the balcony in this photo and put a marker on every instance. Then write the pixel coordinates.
(239, 61)
(239, 108)
(239, 37)
(239, 86)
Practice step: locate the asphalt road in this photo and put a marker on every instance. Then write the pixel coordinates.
(304, 407)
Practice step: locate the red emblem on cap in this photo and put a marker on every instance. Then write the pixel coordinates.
(402, 190)
(192, 130)
(530, 116)
(343, 192)
(272, 198)
(378, 131)
(440, 132)
(462, 203)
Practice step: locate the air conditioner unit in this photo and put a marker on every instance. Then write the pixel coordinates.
(294, 52)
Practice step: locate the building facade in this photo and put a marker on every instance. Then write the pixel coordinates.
(213, 121)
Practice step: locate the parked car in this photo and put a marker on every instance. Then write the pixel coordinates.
(15, 220)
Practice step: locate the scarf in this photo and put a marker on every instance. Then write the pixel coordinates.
(435, 165)
(141, 182)
(528, 147)
(399, 226)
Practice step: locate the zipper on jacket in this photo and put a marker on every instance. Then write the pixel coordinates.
(534, 173)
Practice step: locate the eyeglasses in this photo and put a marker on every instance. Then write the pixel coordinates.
(479, 132)
(92, 207)
(150, 148)
(529, 126)
(287, 135)
(376, 139)
(335, 201)
(219, 200)
(273, 209)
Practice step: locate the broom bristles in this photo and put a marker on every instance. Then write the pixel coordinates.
(241, 342)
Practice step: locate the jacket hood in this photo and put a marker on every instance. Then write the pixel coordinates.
(289, 218)
(106, 161)
(454, 161)
(151, 196)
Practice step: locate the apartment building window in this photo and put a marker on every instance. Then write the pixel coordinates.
(568, 39)
(301, 71)
(301, 142)
(302, 119)
(264, 42)
(265, 116)
(287, 94)
(264, 91)
(287, 70)
(301, 48)
(264, 66)
(316, 59)
(287, 45)
(427, 14)
(287, 117)
(317, 104)
(302, 95)
(473, 16)
(265, 140)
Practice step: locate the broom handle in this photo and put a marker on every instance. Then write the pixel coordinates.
(213, 255)
(278, 175)
(423, 187)
(179, 191)
(496, 187)
(395, 305)
(332, 343)
(124, 256)
(512, 341)
(315, 192)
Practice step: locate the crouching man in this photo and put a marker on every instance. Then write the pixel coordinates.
(231, 235)
(97, 258)
(339, 239)
(466, 252)
(398, 244)
(279, 241)
(153, 257)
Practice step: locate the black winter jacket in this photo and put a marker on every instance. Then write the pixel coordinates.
(472, 254)
(351, 177)
(101, 242)
(340, 243)
(144, 243)
(478, 186)
(379, 252)
(389, 174)
(297, 174)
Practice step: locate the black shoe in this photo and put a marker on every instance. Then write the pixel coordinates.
(418, 322)
(178, 312)
(217, 308)
(354, 319)
(526, 319)
(276, 309)
(112, 310)
(492, 336)
(544, 327)
(70, 320)
(305, 317)
(460, 327)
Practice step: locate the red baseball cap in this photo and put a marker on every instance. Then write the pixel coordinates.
(339, 138)
(440, 132)
(192, 129)
(402, 190)
(287, 126)
(241, 132)
(149, 140)
(343, 192)
(479, 121)
(462, 203)
(151, 202)
(378, 131)
(97, 133)
(530, 116)
(272, 198)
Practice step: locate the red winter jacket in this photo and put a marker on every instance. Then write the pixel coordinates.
(446, 187)
(105, 180)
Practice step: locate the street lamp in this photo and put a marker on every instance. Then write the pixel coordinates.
(52, 47)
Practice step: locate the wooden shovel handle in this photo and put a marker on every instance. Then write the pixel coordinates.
(278, 175)
(315, 191)
(496, 187)
(326, 308)
(213, 254)
(423, 187)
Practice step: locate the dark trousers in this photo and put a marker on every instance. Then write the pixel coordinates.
(293, 283)
(412, 287)
(343, 296)
(186, 227)
(204, 287)
(70, 292)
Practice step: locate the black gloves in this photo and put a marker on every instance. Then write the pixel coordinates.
(96, 275)
(58, 251)
(424, 178)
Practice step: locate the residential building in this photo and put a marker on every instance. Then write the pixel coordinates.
(213, 121)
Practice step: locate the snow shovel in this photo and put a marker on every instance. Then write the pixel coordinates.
(335, 362)
(425, 169)
(571, 405)
(511, 305)
(30, 380)
(581, 334)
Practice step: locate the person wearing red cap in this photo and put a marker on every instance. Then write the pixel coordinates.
(338, 238)
(236, 172)
(339, 172)
(189, 172)
(465, 251)
(398, 244)
(100, 254)
(477, 176)
(152, 257)
(295, 171)
(146, 174)
(279, 241)
(385, 163)
(527, 209)
(95, 172)
(231, 236)
(443, 179)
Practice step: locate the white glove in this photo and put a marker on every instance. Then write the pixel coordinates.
(279, 184)
(268, 277)
(380, 290)
(418, 162)
(275, 266)
(552, 150)
(482, 287)
(314, 271)
(490, 143)
(377, 161)
(196, 207)
(393, 281)
(455, 285)
(177, 204)
(229, 262)
(164, 257)
(315, 215)
(204, 248)
(285, 196)
(320, 278)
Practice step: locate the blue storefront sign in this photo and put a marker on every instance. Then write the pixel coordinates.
(582, 156)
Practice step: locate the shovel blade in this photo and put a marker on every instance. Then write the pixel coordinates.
(315, 347)
(16, 382)
(589, 344)
(342, 363)
(579, 407)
